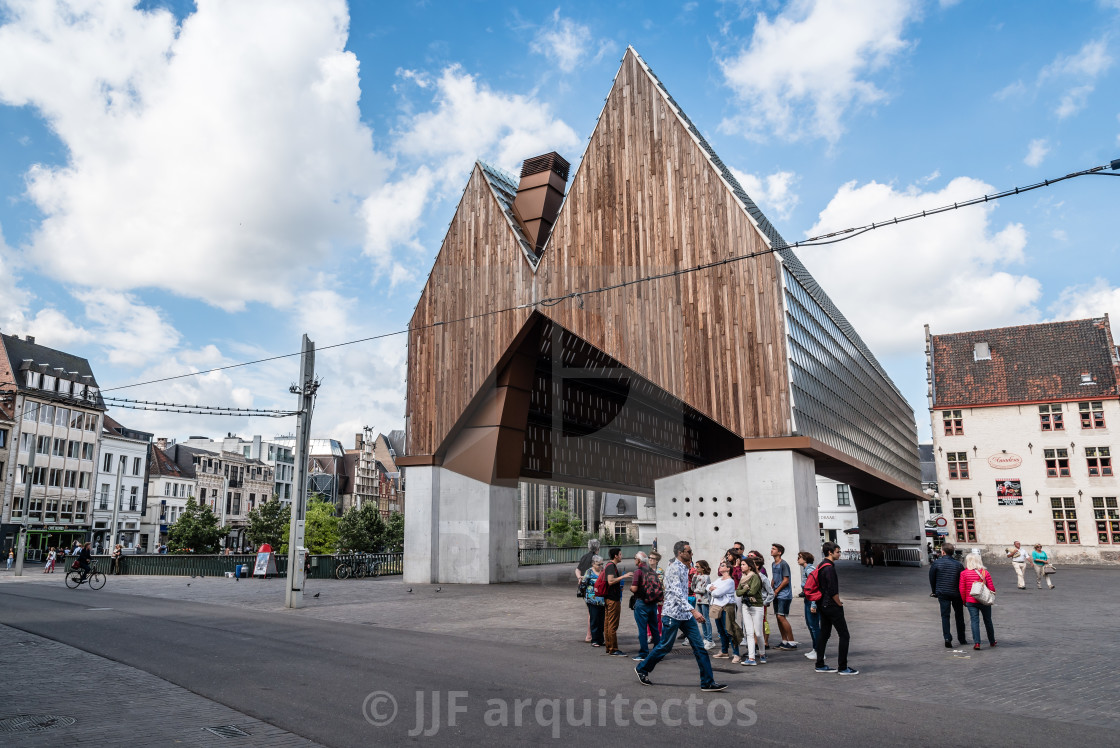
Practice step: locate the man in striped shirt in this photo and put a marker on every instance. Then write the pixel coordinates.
(677, 614)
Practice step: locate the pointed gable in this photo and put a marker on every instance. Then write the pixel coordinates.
(481, 266)
(647, 199)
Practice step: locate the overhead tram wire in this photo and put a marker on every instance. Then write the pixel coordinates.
(202, 410)
(834, 237)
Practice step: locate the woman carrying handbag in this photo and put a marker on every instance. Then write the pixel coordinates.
(978, 592)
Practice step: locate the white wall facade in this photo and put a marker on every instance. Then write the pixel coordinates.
(1009, 442)
(758, 498)
(836, 512)
(131, 457)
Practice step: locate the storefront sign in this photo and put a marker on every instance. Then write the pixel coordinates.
(1009, 492)
(1005, 461)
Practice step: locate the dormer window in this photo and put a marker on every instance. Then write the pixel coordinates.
(1086, 378)
(48, 383)
(981, 352)
(621, 508)
(34, 379)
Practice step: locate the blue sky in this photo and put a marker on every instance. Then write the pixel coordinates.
(191, 185)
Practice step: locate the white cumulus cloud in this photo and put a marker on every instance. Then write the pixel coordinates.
(773, 192)
(231, 141)
(1092, 300)
(950, 270)
(807, 67)
(1036, 152)
(567, 43)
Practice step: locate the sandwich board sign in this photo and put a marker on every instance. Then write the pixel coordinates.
(266, 562)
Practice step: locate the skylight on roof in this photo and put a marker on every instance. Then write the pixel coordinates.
(981, 352)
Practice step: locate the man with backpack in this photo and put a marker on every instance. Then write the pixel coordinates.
(832, 611)
(648, 594)
(609, 587)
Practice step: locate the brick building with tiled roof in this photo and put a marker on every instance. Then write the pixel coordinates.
(1022, 423)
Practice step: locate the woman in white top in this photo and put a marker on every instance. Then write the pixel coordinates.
(49, 568)
(723, 596)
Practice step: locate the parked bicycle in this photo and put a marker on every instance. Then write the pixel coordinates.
(95, 579)
(358, 566)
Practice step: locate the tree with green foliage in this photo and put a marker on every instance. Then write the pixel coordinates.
(394, 533)
(563, 527)
(269, 523)
(321, 528)
(361, 530)
(196, 530)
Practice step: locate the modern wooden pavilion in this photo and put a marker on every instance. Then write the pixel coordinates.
(564, 335)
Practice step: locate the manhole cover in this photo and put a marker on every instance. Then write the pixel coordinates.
(227, 731)
(34, 722)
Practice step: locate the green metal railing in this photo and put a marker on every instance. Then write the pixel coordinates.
(213, 565)
(541, 556)
(322, 566)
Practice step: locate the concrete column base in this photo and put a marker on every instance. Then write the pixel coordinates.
(758, 498)
(458, 530)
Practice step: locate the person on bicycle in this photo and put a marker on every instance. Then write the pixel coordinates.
(83, 560)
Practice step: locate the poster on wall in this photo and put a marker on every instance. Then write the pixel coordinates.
(1009, 492)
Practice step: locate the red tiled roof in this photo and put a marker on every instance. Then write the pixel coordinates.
(1029, 363)
(162, 464)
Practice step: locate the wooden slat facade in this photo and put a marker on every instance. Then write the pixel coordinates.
(645, 200)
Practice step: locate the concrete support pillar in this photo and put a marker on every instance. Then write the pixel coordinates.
(458, 530)
(758, 498)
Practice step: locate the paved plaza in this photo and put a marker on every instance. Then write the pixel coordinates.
(154, 660)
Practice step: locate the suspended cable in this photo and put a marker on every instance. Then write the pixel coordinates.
(833, 237)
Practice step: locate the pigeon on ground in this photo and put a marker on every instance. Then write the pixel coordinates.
(439, 589)
(410, 590)
(188, 583)
(317, 594)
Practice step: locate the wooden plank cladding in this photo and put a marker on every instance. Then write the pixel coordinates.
(645, 200)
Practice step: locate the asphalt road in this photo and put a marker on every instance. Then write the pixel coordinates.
(320, 679)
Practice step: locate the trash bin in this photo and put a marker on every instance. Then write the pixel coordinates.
(237, 570)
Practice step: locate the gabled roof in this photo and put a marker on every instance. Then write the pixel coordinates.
(1029, 363)
(23, 354)
(789, 259)
(505, 189)
(161, 465)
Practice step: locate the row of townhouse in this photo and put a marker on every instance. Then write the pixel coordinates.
(84, 468)
(66, 468)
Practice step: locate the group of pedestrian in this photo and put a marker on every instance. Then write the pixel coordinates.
(681, 603)
(1039, 560)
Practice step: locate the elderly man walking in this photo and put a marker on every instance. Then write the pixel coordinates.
(677, 614)
(1019, 558)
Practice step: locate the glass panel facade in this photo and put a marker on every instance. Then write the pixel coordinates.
(841, 395)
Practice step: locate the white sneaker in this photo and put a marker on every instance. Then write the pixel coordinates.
(810, 655)
(708, 644)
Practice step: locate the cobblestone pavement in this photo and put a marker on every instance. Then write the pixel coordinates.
(95, 701)
(1055, 659)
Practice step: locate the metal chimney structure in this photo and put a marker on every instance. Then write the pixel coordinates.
(539, 195)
